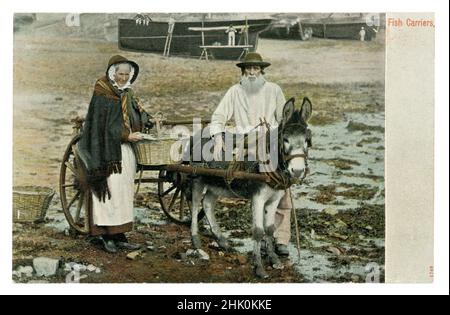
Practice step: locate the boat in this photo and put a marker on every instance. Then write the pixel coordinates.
(340, 27)
(190, 38)
(285, 29)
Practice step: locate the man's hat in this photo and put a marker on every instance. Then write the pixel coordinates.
(253, 59)
(120, 59)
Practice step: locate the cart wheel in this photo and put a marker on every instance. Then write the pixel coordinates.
(173, 197)
(73, 190)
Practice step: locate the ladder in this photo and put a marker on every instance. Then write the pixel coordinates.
(166, 52)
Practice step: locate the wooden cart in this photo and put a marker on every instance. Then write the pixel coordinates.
(171, 180)
(75, 194)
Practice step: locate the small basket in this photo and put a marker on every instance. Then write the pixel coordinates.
(30, 203)
(155, 152)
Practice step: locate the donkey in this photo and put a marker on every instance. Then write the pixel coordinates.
(294, 140)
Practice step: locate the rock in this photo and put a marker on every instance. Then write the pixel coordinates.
(203, 255)
(198, 253)
(221, 254)
(67, 267)
(25, 270)
(313, 234)
(355, 278)
(91, 268)
(339, 236)
(45, 266)
(134, 255)
(369, 228)
(334, 250)
(79, 268)
(98, 270)
(149, 243)
(151, 248)
(16, 274)
(214, 245)
(331, 211)
(339, 224)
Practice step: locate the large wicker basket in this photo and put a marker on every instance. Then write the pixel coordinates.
(30, 203)
(155, 152)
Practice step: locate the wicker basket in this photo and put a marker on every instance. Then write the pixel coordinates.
(154, 152)
(30, 203)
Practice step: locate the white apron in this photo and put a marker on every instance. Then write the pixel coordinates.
(119, 209)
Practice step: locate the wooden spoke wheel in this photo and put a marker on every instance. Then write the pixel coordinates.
(174, 198)
(73, 190)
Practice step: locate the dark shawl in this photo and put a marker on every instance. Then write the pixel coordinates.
(104, 130)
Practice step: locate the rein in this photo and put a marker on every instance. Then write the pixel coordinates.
(280, 178)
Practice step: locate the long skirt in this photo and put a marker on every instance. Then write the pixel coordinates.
(116, 215)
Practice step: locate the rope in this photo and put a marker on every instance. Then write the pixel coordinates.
(297, 229)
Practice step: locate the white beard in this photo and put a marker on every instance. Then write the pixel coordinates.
(252, 85)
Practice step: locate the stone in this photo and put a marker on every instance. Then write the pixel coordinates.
(79, 268)
(45, 266)
(26, 270)
(98, 271)
(198, 253)
(340, 224)
(331, 211)
(202, 254)
(214, 245)
(91, 268)
(334, 250)
(16, 274)
(133, 255)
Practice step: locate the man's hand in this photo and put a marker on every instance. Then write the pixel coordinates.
(218, 147)
(135, 137)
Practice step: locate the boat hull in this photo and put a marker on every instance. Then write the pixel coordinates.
(185, 41)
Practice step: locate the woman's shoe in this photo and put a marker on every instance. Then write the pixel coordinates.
(109, 246)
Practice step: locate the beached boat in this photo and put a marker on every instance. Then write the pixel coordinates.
(190, 38)
(340, 28)
(285, 29)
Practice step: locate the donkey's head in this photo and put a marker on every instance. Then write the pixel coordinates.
(295, 138)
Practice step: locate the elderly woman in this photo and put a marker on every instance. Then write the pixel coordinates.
(115, 119)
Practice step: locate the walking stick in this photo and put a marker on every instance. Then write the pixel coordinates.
(297, 230)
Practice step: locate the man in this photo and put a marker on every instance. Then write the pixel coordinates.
(252, 99)
(362, 34)
(231, 35)
(115, 119)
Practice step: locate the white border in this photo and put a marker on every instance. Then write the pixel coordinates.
(440, 286)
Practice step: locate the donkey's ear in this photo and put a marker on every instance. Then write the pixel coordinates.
(288, 110)
(306, 110)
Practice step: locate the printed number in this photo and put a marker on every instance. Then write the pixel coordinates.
(431, 272)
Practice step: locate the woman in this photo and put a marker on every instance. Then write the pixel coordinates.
(115, 119)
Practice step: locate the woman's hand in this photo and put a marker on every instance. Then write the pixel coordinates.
(135, 137)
